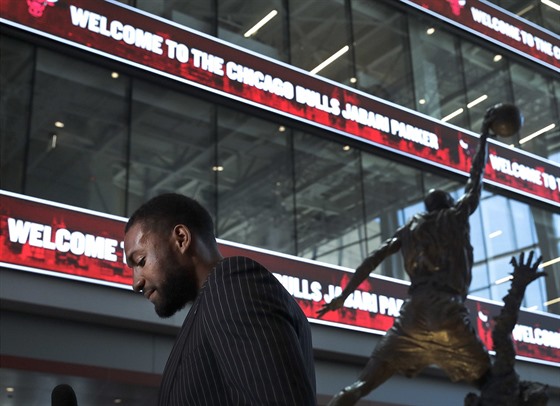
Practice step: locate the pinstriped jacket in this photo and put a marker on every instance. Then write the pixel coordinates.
(245, 341)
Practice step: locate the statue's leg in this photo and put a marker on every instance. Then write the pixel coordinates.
(374, 374)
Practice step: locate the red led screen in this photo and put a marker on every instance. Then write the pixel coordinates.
(160, 46)
(59, 240)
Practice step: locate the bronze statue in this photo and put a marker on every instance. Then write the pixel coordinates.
(502, 386)
(433, 326)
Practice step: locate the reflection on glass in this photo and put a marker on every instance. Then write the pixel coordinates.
(199, 15)
(382, 67)
(437, 72)
(547, 227)
(535, 293)
(318, 30)
(416, 64)
(523, 224)
(389, 190)
(532, 96)
(499, 269)
(480, 283)
(171, 146)
(256, 25)
(544, 13)
(83, 163)
(477, 236)
(511, 227)
(487, 80)
(255, 190)
(16, 75)
(497, 226)
(330, 225)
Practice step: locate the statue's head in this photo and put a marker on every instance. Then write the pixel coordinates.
(438, 200)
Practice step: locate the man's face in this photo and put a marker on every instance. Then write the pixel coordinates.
(165, 276)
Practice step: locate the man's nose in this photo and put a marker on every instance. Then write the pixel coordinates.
(137, 282)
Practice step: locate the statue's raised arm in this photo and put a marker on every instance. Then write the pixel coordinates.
(504, 120)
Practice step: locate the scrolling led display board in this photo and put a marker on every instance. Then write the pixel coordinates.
(154, 44)
(63, 241)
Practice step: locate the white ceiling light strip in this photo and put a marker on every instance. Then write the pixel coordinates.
(330, 59)
(551, 4)
(260, 24)
(537, 133)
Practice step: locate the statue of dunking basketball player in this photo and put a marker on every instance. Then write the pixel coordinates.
(433, 326)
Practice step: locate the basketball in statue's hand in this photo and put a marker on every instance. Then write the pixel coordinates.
(506, 120)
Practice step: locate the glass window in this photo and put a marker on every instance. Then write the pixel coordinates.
(432, 181)
(499, 270)
(329, 204)
(542, 13)
(512, 227)
(500, 273)
(497, 226)
(480, 283)
(523, 224)
(409, 211)
(198, 15)
(550, 16)
(487, 79)
(533, 96)
(535, 294)
(319, 33)
(393, 193)
(477, 236)
(382, 67)
(258, 25)
(255, 189)
(438, 72)
(172, 146)
(16, 75)
(547, 227)
(77, 151)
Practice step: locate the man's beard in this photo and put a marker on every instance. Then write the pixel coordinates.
(177, 289)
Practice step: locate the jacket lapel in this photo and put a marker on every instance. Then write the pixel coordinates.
(175, 357)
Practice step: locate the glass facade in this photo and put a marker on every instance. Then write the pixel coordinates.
(400, 56)
(542, 13)
(81, 133)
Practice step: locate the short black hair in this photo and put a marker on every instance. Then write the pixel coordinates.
(162, 213)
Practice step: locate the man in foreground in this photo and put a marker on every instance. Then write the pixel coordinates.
(433, 326)
(245, 341)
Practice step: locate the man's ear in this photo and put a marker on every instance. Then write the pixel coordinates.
(182, 237)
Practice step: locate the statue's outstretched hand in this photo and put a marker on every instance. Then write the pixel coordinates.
(524, 272)
(334, 304)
